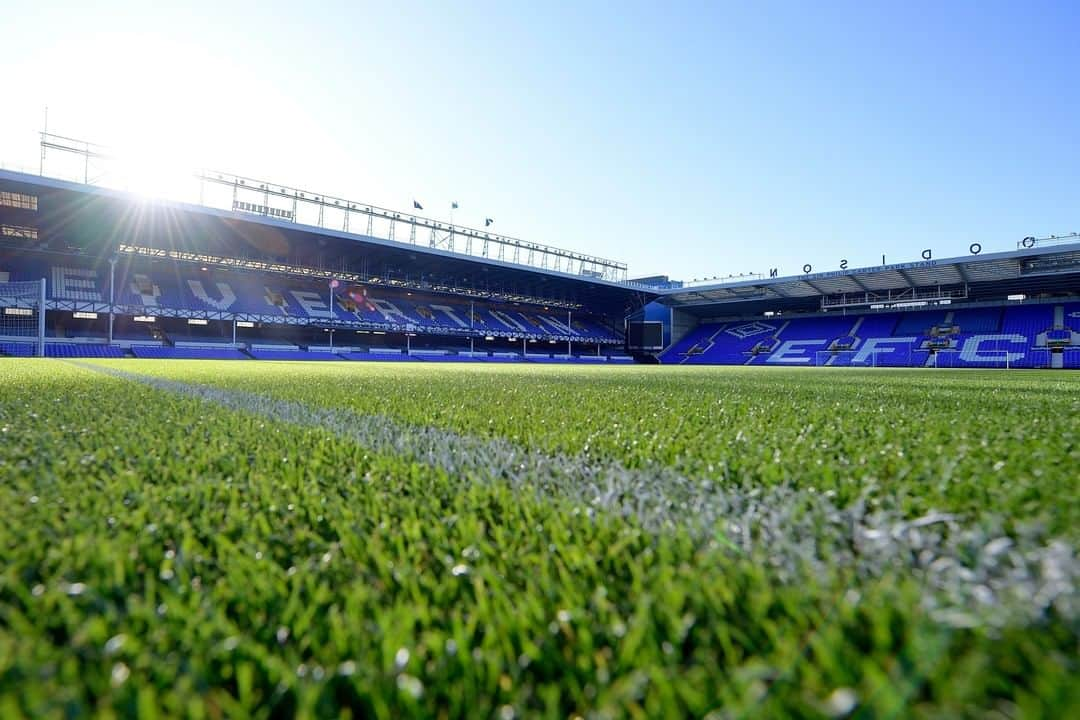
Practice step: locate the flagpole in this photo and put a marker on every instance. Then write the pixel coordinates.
(453, 206)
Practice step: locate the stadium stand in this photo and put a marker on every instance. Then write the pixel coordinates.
(187, 353)
(996, 336)
(147, 291)
(976, 320)
(82, 350)
(380, 356)
(17, 349)
(230, 282)
(62, 350)
(260, 354)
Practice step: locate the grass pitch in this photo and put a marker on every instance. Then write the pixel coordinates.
(272, 539)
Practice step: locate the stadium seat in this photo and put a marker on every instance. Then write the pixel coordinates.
(978, 320)
(82, 350)
(379, 357)
(175, 353)
(292, 355)
(17, 349)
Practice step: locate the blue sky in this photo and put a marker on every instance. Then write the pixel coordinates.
(694, 139)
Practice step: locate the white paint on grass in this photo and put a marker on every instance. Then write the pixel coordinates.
(974, 574)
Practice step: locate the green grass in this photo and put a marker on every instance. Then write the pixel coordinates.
(160, 555)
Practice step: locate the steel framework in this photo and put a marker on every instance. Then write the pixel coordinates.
(893, 297)
(283, 203)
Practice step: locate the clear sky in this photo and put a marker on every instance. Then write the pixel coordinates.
(690, 139)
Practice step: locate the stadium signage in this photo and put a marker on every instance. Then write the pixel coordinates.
(927, 261)
(274, 299)
(864, 271)
(263, 210)
(975, 350)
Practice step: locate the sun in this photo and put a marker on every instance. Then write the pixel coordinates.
(158, 108)
(161, 107)
(150, 177)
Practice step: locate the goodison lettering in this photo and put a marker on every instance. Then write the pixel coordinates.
(926, 254)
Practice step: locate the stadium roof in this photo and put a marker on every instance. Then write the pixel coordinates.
(1038, 266)
(87, 219)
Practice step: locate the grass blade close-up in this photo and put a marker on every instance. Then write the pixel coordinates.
(274, 539)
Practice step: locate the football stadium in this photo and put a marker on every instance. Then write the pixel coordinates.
(260, 271)
(276, 453)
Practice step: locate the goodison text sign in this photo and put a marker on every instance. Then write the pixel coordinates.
(927, 261)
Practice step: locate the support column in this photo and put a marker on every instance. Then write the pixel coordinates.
(234, 332)
(570, 327)
(112, 295)
(41, 320)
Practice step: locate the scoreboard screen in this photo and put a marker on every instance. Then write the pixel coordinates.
(645, 335)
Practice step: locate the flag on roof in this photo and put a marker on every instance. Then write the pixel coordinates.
(417, 205)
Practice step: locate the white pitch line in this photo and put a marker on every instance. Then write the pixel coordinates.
(973, 574)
